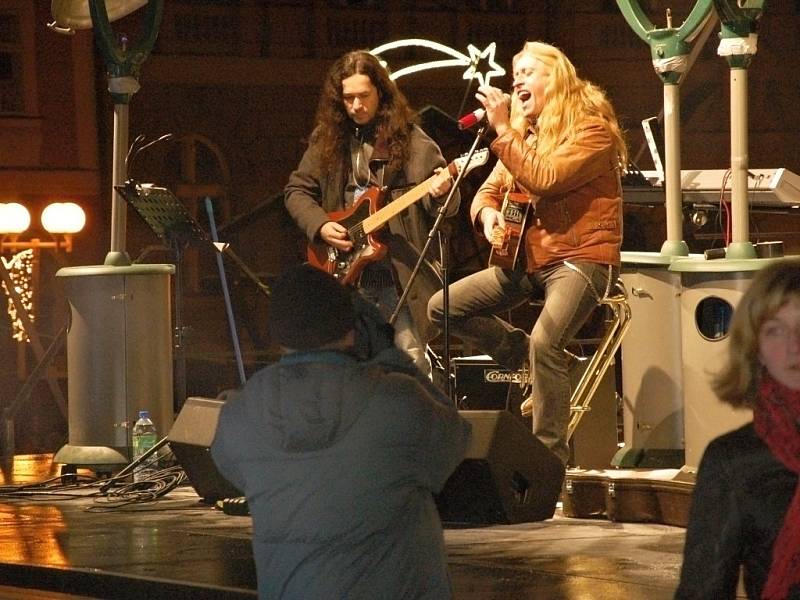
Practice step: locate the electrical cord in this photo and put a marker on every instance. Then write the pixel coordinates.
(122, 475)
(724, 215)
(154, 487)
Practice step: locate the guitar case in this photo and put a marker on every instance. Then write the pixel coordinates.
(629, 496)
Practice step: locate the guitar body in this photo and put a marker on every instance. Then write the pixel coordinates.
(347, 266)
(367, 215)
(506, 242)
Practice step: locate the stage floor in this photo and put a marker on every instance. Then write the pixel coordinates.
(75, 543)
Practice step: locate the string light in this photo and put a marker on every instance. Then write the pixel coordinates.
(20, 271)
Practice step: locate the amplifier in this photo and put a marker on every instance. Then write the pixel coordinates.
(480, 384)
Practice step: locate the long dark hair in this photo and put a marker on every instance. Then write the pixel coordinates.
(393, 119)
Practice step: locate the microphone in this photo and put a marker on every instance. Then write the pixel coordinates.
(471, 119)
(476, 116)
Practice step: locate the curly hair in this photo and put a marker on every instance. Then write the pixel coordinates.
(393, 120)
(568, 100)
(738, 380)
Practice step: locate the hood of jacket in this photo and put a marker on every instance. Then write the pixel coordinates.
(309, 400)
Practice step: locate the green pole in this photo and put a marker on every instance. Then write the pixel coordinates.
(669, 49)
(124, 60)
(738, 44)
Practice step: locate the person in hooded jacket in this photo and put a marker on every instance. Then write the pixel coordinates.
(339, 457)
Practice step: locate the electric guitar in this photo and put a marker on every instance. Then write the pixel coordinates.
(506, 240)
(366, 216)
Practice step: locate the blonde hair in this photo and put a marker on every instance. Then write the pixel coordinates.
(737, 382)
(569, 99)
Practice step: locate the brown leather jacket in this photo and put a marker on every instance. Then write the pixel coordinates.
(576, 193)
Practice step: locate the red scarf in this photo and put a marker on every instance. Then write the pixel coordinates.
(777, 421)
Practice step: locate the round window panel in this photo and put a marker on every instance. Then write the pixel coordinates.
(713, 318)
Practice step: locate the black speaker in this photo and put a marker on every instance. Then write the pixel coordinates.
(190, 439)
(480, 384)
(507, 476)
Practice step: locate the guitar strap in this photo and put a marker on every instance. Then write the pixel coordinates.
(384, 176)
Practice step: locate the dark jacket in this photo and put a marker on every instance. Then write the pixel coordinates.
(576, 192)
(309, 197)
(739, 501)
(339, 460)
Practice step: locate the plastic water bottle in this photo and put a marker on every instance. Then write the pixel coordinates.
(144, 438)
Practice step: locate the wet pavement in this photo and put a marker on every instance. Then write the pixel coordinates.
(77, 543)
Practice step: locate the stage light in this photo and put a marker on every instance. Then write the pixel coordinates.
(63, 217)
(14, 218)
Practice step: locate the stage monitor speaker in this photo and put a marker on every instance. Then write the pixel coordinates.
(507, 476)
(190, 439)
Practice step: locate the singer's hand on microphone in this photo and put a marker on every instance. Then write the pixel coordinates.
(497, 104)
(491, 218)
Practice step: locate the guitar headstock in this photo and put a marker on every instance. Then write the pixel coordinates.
(479, 157)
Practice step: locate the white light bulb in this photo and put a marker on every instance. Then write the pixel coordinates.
(14, 218)
(63, 217)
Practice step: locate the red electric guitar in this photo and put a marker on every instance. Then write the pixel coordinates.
(366, 216)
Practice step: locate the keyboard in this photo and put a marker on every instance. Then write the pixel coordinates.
(778, 187)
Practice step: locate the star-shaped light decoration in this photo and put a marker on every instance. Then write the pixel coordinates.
(472, 62)
(476, 58)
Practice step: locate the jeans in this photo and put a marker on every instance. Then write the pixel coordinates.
(406, 337)
(570, 293)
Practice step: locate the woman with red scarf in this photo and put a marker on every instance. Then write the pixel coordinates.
(746, 506)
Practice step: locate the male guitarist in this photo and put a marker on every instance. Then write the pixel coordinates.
(561, 149)
(365, 137)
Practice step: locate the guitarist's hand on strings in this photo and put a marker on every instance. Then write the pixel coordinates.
(335, 235)
(491, 220)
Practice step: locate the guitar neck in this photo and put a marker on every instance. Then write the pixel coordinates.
(379, 218)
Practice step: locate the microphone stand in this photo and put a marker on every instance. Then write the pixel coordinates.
(444, 250)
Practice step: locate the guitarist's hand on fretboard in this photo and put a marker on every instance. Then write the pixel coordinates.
(440, 184)
(335, 235)
(491, 220)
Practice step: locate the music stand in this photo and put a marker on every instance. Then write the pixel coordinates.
(163, 212)
(168, 218)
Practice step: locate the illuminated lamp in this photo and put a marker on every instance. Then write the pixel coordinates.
(63, 217)
(14, 218)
